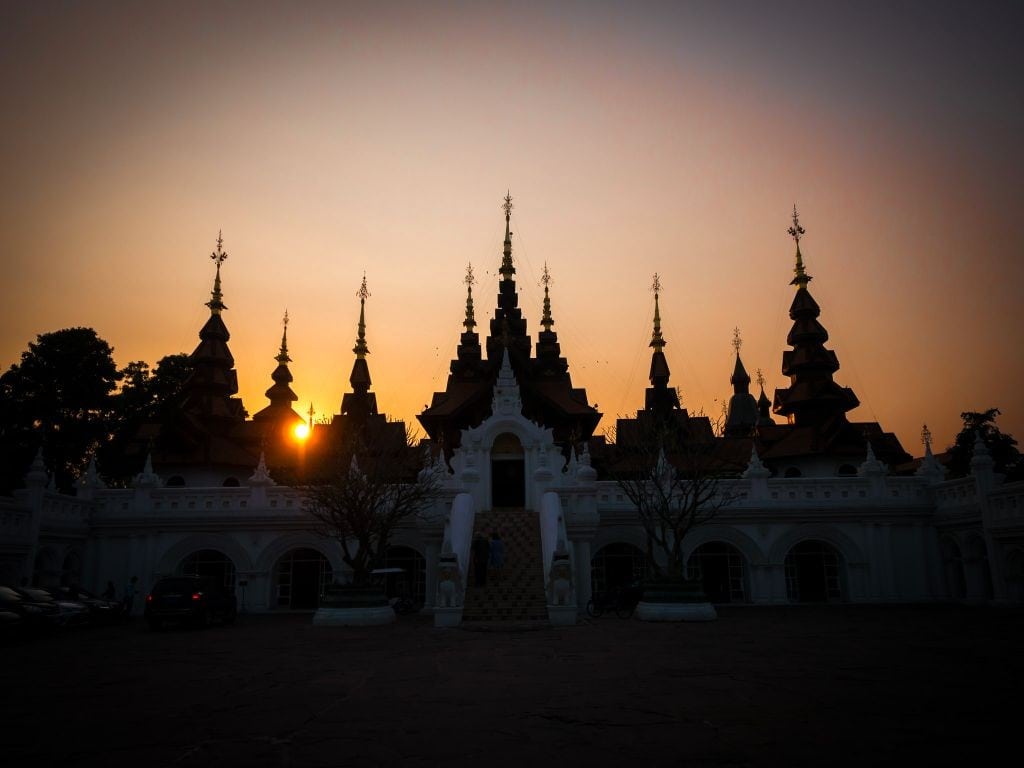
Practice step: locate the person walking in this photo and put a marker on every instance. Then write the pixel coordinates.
(129, 595)
(497, 555)
(481, 556)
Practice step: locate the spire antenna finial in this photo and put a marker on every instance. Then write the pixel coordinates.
(926, 437)
(470, 281)
(216, 302)
(657, 340)
(507, 267)
(360, 349)
(282, 355)
(546, 319)
(760, 379)
(737, 341)
(801, 278)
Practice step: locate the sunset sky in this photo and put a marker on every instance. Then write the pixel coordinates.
(330, 139)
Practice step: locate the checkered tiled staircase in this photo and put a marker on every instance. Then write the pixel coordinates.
(519, 596)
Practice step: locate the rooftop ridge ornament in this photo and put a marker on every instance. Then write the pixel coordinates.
(470, 281)
(282, 355)
(507, 268)
(360, 349)
(546, 319)
(801, 278)
(216, 302)
(657, 341)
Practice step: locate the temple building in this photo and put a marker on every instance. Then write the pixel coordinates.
(821, 508)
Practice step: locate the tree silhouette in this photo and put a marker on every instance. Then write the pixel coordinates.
(58, 396)
(1001, 446)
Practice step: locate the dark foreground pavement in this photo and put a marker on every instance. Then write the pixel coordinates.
(762, 686)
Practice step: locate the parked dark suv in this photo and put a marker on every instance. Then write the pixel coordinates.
(194, 599)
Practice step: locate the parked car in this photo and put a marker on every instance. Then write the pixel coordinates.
(194, 599)
(69, 613)
(34, 616)
(101, 610)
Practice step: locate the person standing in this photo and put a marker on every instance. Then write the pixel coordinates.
(497, 555)
(129, 595)
(481, 556)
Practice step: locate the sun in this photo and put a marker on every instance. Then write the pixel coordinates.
(301, 431)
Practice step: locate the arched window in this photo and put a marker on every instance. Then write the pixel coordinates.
(176, 481)
(300, 578)
(792, 472)
(231, 482)
(211, 564)
(616, 565)
(412, 581)
(814, 573)
(720, 569)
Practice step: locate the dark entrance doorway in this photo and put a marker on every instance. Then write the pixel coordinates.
(302, 575)
(719, 568)
(508, 472)
(812, 573)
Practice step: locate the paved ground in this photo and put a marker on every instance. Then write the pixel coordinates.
(761, 686)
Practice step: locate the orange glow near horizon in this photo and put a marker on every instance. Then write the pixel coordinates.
(301, 432)
(664, 139)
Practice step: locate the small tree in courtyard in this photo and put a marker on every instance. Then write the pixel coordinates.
(673, 477)
(360, 494)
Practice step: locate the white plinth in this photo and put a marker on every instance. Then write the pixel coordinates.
(675, 611)
(447, 617)
(562, 615)
(354, 617)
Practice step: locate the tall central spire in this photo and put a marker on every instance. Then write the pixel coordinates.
(216, 302)
(282, 355)
(660, 398)
(360, 349)
(507, 268)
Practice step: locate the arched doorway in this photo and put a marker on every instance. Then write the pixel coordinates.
(978, 571)
(300, 577)
(211, 564)
(508, 472)
(814, 573)
(720, 569)
(953, 568)
(616, 565)
(412, 581)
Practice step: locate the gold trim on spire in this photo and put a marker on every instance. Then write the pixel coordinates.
(801, 278)
(360, 349)
(546, 319)
(657, 341)
(507, 268)
(216, 302)
(470, 281)
(282, 355)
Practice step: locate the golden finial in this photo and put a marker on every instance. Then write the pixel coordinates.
(360, 349)
(801, 278)
(216, 302)
(311, 413)
(507, 268)
(926, 437)
(546, 320)
(282, 355)
(737, 342)
(470, 281)
(760, 378)
(656, 338)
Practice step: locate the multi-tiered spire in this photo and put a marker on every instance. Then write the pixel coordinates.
(812, 397)
(208, 391)
(549, 352)
(742, 414)
(660, 396)
(507, 268)
(360, 402)
(280, 393)
(507, 327)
